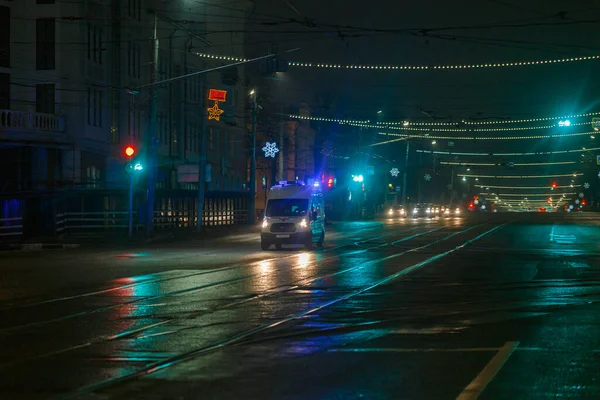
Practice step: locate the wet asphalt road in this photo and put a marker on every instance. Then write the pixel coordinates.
(503, 306)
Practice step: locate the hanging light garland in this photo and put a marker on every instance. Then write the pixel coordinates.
(403, 136)
(520, 176)
(419, 126)
(412, 67)
(450, 153)
(524, 187)
(546, 195)
(465, 164)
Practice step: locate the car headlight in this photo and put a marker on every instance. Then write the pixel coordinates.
(428, 210)
(402, 212)
(391, 212)
(458, 211)
(447, 212)
(303, 223)
(415, 211)
(265, 223)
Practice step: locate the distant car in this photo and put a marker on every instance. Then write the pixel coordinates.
(423, 211)
(396, 211)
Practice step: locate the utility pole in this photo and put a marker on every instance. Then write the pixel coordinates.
(251, 204)
(281, 178)
(202, 157)
(151, 134)
(405, 175)
(131, 137)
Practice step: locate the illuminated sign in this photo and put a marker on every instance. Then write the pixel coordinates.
(217, 95)
(214, 112)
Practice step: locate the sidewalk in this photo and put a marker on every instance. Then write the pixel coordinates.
(139, 239)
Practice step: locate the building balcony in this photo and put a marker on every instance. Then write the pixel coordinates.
(31, 121)
(23, 127)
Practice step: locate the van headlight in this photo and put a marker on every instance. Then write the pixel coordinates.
(447, 212)
(391, 212)
(402, 212)
(458, 210)
(415, 211)
(303, 223)
(265, 223)
(428, 211)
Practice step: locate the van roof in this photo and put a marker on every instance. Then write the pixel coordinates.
(293, 191)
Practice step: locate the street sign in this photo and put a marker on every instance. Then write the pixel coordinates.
(398, 189)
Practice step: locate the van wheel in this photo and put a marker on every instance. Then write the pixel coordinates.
(321, 240)
(264, 245)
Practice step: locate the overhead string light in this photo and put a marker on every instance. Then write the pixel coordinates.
(523, 187)
(410, 125)
(520, 176)
(466, 164)
(403, 136)
(451, 153)
(413, 67)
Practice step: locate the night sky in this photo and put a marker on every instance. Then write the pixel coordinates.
(491, 93)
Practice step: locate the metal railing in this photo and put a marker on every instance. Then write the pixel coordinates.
(91, 221)
(31, 121)
(97, 222)
(11, 228)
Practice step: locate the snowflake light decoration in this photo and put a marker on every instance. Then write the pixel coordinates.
(427, 177)
(270, 149)
(577, 201)
(581, 195)
(395, 172)
(586, 185)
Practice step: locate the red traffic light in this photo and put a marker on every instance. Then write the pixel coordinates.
(330, 182)
(583, 202)
(554, 186)
(129, 151)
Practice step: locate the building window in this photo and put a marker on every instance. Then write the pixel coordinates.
(134, 8)
(94, 43)
(4, 91)
(94, 106)
(45, 44)
(5, 37)
(133, 60)
(44, 98)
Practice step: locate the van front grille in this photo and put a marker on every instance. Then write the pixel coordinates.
(286, 227)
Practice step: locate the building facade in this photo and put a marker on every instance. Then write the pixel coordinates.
(74, 91)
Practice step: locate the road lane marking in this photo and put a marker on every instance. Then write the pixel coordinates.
(488, 373)
(239, 338)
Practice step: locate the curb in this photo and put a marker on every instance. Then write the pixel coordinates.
(38, 246)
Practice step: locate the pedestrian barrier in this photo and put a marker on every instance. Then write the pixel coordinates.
(11, 228)
(103, 222)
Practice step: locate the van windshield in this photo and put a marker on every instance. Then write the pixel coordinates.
(287, 208)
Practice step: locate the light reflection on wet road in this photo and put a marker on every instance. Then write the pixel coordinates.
(389, 309)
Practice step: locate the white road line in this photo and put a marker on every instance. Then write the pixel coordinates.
(489, 372)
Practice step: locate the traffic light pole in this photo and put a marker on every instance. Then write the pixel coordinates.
(251, 205)
(131, 137)
(405, 175)
(151, 135)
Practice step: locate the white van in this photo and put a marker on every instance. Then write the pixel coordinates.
(295, 214)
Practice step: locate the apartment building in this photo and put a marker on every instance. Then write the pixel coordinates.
(73, 94)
